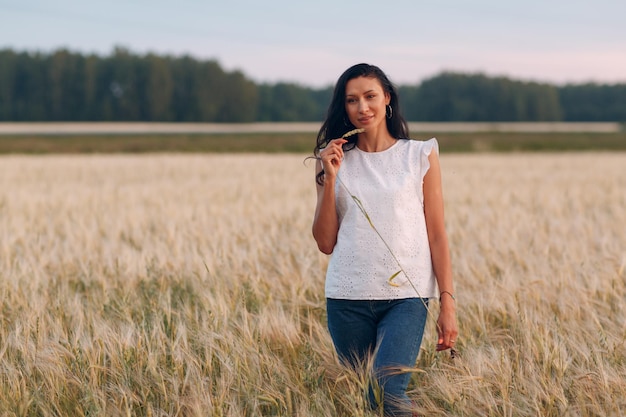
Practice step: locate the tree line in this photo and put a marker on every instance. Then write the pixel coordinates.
(123, 86)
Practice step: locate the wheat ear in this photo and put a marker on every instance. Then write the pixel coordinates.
(352, 132)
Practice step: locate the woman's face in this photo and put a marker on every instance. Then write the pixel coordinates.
(366, 102)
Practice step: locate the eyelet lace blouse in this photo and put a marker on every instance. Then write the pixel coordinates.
(389, 187)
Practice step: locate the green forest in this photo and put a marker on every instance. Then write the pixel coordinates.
(66, 86)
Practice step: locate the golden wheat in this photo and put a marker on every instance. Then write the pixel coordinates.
(352, 132)
(190, 285)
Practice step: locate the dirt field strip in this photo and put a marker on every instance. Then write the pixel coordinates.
(78, 128)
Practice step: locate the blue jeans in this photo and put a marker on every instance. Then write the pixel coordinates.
(392, 330)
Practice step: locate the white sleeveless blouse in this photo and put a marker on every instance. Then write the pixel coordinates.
(389, 187)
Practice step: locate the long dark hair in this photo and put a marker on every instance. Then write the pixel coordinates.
(337, 122)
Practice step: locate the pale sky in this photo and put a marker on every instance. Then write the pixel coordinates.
(312, 43)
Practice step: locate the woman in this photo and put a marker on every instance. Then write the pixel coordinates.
(379, 215)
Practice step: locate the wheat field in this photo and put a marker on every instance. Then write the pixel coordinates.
(190, 285)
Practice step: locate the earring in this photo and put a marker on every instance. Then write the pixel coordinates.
(345, 122)
(389, 111)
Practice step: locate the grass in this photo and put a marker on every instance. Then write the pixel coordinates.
(298, 142)
(190, 285)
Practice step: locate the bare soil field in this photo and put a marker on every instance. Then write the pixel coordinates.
(107, 128)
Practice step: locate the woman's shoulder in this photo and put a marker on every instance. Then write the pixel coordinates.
(420, 142)
(422, 146)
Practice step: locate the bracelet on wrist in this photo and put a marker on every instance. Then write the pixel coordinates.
(446, 292)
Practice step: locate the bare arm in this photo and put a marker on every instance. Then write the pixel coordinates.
(325, 222)
(440, 253)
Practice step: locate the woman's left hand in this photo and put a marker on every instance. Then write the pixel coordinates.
(447, 329)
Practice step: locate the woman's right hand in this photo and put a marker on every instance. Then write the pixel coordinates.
(326, 223)
(332, 156)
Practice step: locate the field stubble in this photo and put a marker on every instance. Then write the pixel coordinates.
(190, 285)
